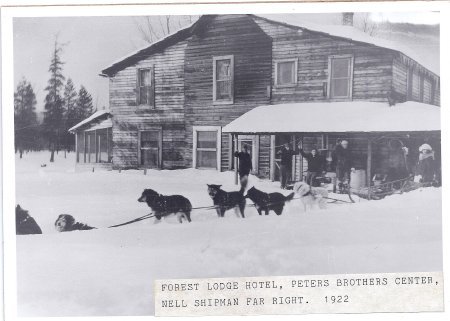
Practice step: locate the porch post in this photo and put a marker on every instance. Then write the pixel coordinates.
(294, 160)
(236, 163)
(369, 165)
(76, 147)
(272, 158)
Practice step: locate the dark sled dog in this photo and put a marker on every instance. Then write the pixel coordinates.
(268, 201)
(166, 205)
(25, 224)
(224, 201)
(67, 223)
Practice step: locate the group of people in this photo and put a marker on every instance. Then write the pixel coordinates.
(342, 162)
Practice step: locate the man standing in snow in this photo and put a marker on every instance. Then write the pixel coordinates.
(315, 165)
(245, 166)
(342, 157)
(286, 163)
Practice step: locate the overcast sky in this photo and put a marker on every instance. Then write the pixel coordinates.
(92, 43)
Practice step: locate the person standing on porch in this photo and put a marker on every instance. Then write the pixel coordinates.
(245, 166)
(315, 165)
(342, 157)
(286, 163)
(426, 167)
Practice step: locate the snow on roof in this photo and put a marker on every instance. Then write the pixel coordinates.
(352, 33)
(347, 32)
(94, 116)
(105, 123)
(353, 116)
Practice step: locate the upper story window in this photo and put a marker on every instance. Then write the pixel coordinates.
(223, 87)
(340, 76)
(415, 86)
(286, 72)
(145, 87)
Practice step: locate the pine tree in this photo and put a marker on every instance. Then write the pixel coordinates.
(53, 125)
(71, 118)
(25, 120)
(84, 105)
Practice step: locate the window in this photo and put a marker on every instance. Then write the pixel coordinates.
(427, 91)
(415, 86)
(286, 72)
(150, 148)
(341, 76)
(103, 145)
(145, 87)
(223, 79)
(91, 147)
(206, 147)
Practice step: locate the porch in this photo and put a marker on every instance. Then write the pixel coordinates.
(378, 135)
(93, 141)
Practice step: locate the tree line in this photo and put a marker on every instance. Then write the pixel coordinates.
(64, 107)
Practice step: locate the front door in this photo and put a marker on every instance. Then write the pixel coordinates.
(150, 148)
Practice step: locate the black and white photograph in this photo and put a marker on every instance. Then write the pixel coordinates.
(210, 145)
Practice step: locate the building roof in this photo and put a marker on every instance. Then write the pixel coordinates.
(353, 34)
(343, 32)
(152, 48)
(338, 117)
(102, 124)
(94, 117)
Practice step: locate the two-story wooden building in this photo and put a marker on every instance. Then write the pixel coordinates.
(170, 101)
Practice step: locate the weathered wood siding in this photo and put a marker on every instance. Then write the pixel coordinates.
(400, 78)
(168, 113)
(372, 69)
(236, 35)
(264, 156)
(410, 82)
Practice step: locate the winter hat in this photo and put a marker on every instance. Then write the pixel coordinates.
(425, 147)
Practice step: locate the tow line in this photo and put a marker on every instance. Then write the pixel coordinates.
(147, 216)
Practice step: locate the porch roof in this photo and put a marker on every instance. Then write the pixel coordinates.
(337, 117)
(105, 123)
(95, 116)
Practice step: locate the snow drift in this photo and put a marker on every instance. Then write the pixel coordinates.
(111, 271)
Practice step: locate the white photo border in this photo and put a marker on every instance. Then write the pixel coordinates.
(8, 166)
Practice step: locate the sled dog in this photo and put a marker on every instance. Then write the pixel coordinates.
(224, 201)
(165, 205)
(268, 201)
(67, 223)
(311, 196)
(25, 224)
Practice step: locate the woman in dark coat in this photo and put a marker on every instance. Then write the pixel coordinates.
(315, 165)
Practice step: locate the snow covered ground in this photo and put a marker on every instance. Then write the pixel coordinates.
(111, 271)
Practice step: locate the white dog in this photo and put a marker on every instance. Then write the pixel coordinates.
(311, 196)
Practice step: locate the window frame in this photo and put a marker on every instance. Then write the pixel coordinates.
(278, 61)
(151, 90)
(218, 148)
(330, 69)
(223, 101)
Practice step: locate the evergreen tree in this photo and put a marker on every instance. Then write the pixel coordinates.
(71, 117)
(25, 120)
(84, 105)
(53, 124)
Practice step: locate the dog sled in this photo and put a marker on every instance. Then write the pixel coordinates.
(380, 188)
